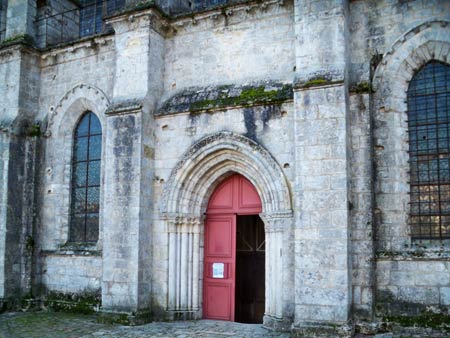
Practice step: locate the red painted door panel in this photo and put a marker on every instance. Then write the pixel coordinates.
(220, 248)
(234, 196)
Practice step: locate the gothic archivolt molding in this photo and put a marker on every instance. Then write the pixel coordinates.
(73, 104)
(428, 41)
(185, 198)
(214, 158)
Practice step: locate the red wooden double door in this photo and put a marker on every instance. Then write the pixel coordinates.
(234, 258)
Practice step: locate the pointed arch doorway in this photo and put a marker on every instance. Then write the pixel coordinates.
(234, 256)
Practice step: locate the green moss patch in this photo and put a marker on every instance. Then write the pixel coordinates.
(430, 320)
(317, 81)
(213, 98)
(17, 39)
(362, 87)
(83, 303)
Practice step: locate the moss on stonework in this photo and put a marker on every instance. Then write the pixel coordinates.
(249, 96)
(362, 87)
(83, 303)
(226, 96)
(34, 130)
(317, 81)
(314, 83)
(116, 318)
(29, 244)
(20, 38)
(432, 320)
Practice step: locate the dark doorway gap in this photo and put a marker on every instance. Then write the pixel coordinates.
(250, 269)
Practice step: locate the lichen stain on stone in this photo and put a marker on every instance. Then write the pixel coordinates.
(250, 125)
(149, 152)
(408, 314)
(306, 99)
(125, 128)
(269, 113)
(133, 42)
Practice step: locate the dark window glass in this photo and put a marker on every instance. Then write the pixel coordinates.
(429, 146)
(92, 13)
(87, 149)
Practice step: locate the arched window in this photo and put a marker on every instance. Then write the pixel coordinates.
(429, 147)
(92, 13)
(85, 190)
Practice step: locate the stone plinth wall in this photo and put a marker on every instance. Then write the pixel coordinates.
(411, 287)
(72, 274)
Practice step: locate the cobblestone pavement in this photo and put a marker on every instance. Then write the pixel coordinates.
(65, 325)
(55, 325)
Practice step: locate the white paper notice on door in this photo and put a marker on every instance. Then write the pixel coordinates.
(218, 269)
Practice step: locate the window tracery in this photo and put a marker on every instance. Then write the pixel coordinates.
(85, 184)
(429, 149)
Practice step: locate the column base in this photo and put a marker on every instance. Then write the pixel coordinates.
(183, 315)
(277, 324)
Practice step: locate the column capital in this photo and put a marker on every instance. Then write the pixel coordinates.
(179, 222)
(276, 221)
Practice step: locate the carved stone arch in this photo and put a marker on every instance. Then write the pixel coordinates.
(420, 45)
(201, 168)
(193, 180)
(73, 105)
(426, 42)
(61, 123)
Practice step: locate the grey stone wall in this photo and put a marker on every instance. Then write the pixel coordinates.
(20, 18)
(361, 209)
(343, 156)
(322, 280)
(90, 63)
(412, 287)
(18, 107)
(402, 49)
(71, 274)
(322, 239)
(376, 25)
(231, 48)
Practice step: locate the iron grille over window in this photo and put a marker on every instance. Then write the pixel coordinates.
(429, 145)
(92, 12)
(87, 148)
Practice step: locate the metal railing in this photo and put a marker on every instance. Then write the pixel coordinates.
(75, 23)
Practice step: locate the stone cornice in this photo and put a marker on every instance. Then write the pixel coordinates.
(147, 17)
(15, 49)
(226, 96)
(168, 24)
(227, 10)
(125, 108)
(89, 43)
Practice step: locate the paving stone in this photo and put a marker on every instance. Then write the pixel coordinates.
(56, 324)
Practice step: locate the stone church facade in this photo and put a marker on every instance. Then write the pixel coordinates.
(120, 119)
